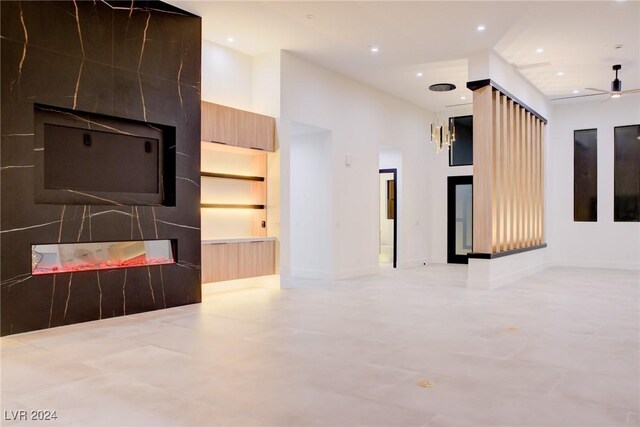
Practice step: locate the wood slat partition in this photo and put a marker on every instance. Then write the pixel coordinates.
(508, 211)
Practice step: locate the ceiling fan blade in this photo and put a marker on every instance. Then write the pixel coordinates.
(624, 92)
(458, 105)
(596, 90)
(534, 65)
(577, 96)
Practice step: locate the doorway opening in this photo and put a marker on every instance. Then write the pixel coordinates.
(311, 201)
(388, 248)
(459, 219)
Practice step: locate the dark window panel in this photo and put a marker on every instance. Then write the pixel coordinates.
(462, 152)
(626, 169)
(585, 175)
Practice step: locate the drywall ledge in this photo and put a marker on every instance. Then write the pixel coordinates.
(492, 273)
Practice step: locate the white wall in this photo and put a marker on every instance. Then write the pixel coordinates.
(589, 244)
(311, 194)
(361, 120)
(227, 76)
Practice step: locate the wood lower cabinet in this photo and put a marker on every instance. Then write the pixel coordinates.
(229, 261)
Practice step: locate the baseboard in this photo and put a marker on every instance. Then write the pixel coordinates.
(597, 264)
(356, 272)
(311, 274)
(265, 282)
(412, 263)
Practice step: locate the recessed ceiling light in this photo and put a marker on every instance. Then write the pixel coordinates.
(462, 98)
(616, 96)
(561, 73)
(309, 16)
(481, 28)
(576, 91)
(374, 49)
(230, 39)
(539, 50)
(419, 74)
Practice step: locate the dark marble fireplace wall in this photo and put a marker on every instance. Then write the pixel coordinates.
(139, 61)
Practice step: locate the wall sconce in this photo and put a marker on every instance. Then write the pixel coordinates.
(443, 135)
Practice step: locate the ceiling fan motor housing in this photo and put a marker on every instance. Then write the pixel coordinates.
(616, 84)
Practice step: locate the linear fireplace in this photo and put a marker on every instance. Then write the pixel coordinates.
(74, 257)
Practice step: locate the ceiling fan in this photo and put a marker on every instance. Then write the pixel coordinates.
(616, 86)
(615, 92)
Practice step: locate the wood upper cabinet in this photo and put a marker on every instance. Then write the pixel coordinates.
(219, 124)
(230, 126)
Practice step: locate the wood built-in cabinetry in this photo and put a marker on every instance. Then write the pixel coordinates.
(234, 194)
(230, 126)
(237, 260)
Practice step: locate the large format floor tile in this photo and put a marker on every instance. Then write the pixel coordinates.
(407, 347)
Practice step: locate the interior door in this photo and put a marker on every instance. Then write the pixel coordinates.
(459, 218)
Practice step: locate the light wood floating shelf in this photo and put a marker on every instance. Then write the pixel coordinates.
(230, 206)
(231, 176)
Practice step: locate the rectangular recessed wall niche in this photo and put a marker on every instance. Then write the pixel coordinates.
(585, 175)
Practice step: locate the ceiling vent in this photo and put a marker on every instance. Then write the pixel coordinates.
(442, 87)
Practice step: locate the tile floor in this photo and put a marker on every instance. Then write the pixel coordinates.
(560, 348)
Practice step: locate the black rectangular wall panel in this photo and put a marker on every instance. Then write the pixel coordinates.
(585, 175)
(138, 61)
(626, 167)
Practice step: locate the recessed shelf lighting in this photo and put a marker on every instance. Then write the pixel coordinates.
(539, 50)
(374, 49)
(231, 39)
(481, 28)
(419, 74)
(561, 73)
(616, 96)
(576, 91)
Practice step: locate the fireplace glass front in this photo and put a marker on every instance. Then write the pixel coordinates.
(74, 257)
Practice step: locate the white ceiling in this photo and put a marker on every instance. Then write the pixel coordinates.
(436, 37)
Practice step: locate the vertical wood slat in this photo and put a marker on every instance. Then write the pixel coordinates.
(527, 175)
(503, 175)
(537, 181)
(517, 176)
(534, 187)
(483, 170)
(495, 218)
(541, 207)
(533, 174)
(522, 176)
(512, 172)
